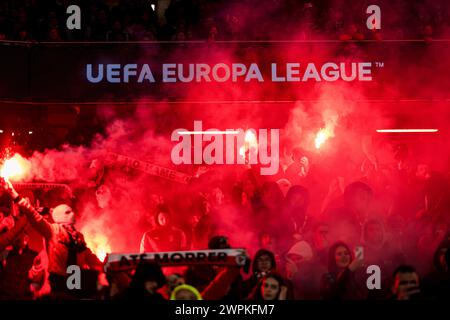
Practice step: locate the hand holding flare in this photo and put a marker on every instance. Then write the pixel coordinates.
(7, 186)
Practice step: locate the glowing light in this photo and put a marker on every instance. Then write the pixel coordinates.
(208, 132)
(1, 131)
(250, 142)
(323, 135)
(250, 137)
(101, 253)
(153, 7)
(30, 132)
(242, 151)
(330, 118)
(406, 130)
(95, 238)
(13, 168)
(98, 243)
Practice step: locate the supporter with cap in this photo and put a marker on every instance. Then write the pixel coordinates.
(302, 270)
(185, 292)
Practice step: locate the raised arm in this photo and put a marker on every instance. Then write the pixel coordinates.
(35, 219)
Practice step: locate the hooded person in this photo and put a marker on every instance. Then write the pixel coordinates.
(65, 246)
(300, 252)
(264, 263)
(165, 236)
(302, 270)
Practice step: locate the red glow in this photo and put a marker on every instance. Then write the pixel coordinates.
(250, 142)
(14, 168)
(321, 137)
(406, 130)
(207, 132)
(96, 239)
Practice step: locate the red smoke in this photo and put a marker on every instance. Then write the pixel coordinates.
(349, 114)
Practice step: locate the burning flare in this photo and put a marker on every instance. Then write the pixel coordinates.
(98, 243)
(330, 118)
(14, 168)
(95, 238)
(250, 142)
(323, 135)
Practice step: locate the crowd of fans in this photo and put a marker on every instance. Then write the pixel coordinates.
(395, 218)
(304, 243)
(185, 20)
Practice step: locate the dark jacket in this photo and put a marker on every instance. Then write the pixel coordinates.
(436, 284)
(341, 286)
(14, 284)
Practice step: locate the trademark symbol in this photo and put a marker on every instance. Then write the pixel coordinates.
(379, 64)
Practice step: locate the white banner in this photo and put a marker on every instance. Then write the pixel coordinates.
(223, 257)
(149, 168)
